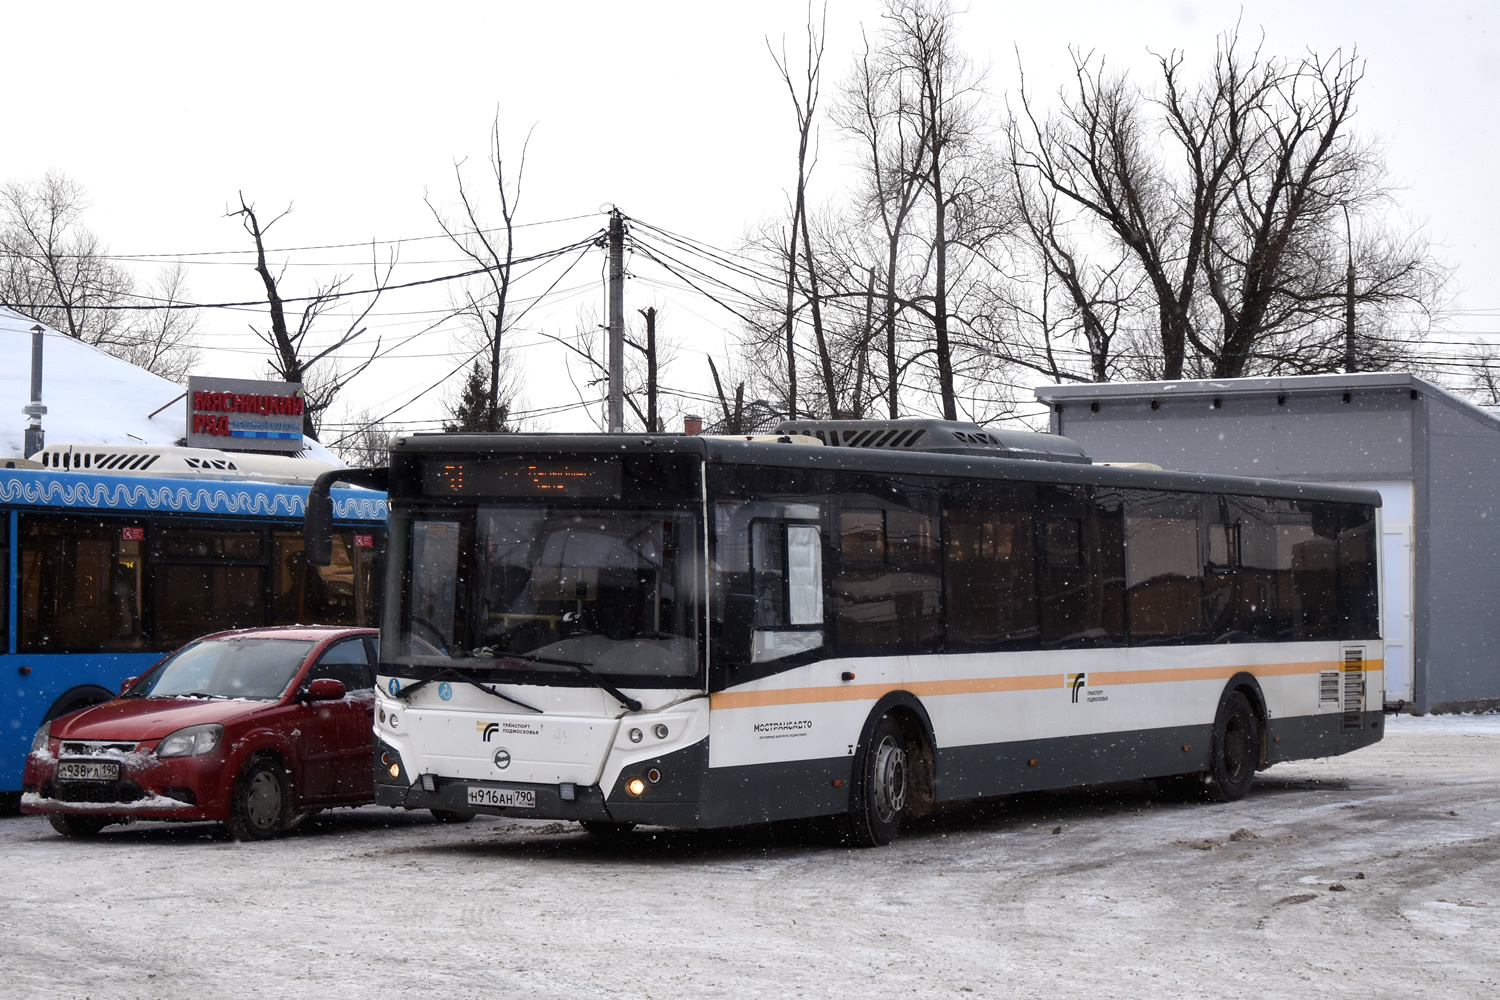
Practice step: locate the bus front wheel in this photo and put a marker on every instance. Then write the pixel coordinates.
(881, 787)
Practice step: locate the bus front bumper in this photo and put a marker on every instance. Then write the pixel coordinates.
(671, 799)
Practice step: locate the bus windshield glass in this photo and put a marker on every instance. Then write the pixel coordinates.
(549, 589)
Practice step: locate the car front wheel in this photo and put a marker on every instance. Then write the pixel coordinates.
(70, 825)
(261, 801)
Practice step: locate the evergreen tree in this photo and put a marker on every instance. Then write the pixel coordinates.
(471, 412)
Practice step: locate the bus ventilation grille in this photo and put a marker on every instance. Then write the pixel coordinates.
(127, 461)
(211, 464)
(1328, 687)
(925, 434)
(1354, 687)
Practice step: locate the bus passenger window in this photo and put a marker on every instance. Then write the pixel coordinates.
(80, 586)
(4, 582)
(990, 576)
(1358, 597)
(340, 593)
(886, 592)
(1163, 572)
(205, 580)
(1307, 561)
(1221, 575)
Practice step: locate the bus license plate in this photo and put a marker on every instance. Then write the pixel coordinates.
(504, 798)
(89, 770)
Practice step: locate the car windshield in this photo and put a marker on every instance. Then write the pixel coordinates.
(256, 668)
(613, 590)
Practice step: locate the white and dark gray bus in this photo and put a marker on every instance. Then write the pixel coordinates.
(856, 619)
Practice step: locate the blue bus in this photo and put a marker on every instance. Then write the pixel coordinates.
(105, 573)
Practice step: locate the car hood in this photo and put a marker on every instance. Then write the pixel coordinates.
(140, 719)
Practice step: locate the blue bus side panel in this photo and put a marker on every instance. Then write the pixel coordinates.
(26, 696)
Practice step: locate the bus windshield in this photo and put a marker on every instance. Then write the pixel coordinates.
(540, 588)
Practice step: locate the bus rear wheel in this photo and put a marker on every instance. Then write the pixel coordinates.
(1236, 749)
(881, 788)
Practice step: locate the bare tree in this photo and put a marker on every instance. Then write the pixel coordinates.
(643, 369)
(56, 270)
(805, 280)
(876, 109)
(295, 356)
(1227, 197)
(493, 250)
(366, 446)
(963, 222)
(165, 339)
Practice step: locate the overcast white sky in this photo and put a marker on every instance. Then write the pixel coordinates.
(351, 112)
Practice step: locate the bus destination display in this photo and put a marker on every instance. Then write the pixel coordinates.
(522, 477)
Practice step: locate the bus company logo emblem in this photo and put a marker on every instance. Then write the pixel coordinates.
(445, 690)
(394, 687)
(1076, 683)
(502, 758)
(488, 729)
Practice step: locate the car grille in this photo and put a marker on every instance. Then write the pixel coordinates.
(93, 791)
(95, 748)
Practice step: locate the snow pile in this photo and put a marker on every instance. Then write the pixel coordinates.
(91, 397)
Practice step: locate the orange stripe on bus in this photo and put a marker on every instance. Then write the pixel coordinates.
(1032, 682)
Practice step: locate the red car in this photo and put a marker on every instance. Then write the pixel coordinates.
(255, 729)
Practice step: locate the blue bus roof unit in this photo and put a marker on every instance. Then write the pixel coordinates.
(945, 437)
(31, 488)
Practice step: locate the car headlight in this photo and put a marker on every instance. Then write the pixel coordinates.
(191, 742)
(39, 741)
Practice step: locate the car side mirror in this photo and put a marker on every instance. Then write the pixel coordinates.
(126, 683)
(325, 689)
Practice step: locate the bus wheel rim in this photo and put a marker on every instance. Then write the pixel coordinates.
(890, 779)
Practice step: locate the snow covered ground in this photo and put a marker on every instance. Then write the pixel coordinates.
(1372, 875)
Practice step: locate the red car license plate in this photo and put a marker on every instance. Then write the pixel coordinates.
(89, 770)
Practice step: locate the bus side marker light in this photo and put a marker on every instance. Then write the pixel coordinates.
(653, 776)
(24, 671)
(848, 675)
(838, 782)
(1276, 738)
(1186, 747)
(1031, 763)
(635, 786)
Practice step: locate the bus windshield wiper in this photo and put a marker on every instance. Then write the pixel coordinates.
(582, 668)
(449, 673)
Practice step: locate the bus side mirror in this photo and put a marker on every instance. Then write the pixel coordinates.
(738, 634)
(317, 528)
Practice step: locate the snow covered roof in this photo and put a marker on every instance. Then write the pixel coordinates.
(91, 397)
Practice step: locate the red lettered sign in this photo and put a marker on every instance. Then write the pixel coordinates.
(132, 534)
(364, 541)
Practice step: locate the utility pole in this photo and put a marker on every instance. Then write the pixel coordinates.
(616, 322)
(35, 437)
(1349, 363)
(652, 426)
